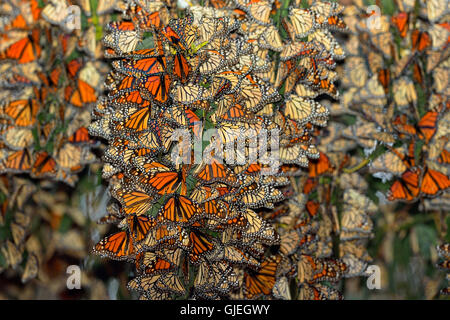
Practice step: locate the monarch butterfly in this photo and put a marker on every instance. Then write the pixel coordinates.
(23, 112)
(118, 246)
(18, 138)
(72, 157)
(218, 4)
(425, 128)
(158, 86)
(24, 50)
(131, 98)
(181, 67)
(259, 11)
(200, 244)
(31, 268)
(444, 157)
(420, 40)
(384, 77)
(179, 209)
(312, 208)
(144, 283)
(171, 283)
(139, 226)
(181, 32)
(147, 21)
(433, 181)
(319, 292)
(147, 65)
(281, 289)
(261, 282)
(355, 220)
(44, 165)
(163, 179)
(122, 37)
(216, 209)
(401, 22)
(417, 73)
(405, 188)
(215, 171)
(311, 270)
(158, 265)
(289, 242)
(136, 202)
(18, 233)
(213, 278)
(355, 256)
(203, 193)
(310, 185)
(81, 95)
(320, 166)
(12, 253)
(17, 161)
(236, 255)
(139, 120)
(81, 135)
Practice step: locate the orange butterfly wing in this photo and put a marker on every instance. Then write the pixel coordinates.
(165, 182)
(427, 125)
(320, 166)
(139, 226)
(433, 181)
(200, 245)
(405, 188)
(262, 281)
(401, 22)
(179, 209)
(117, 246)
(43, 165)
(18, 161)
(181, 67)
(420, 40)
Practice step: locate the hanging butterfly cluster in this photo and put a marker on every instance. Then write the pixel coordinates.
(194, 228)
(306, 239)
(401, 97)
(392, 118)
(301, 55)
(46, 93)
(50, 78)
(444, 253)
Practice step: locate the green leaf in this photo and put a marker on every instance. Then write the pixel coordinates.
(388, 7)
(3, 262)
(146, 43)
(421, 100)
(427, 237)
(65, 224)
(402, 251)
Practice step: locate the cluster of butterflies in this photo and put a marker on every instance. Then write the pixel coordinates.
(46, 94)
(184, 222)
(392, 118)
(50, 77)
(402, 104)
(306, 241)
